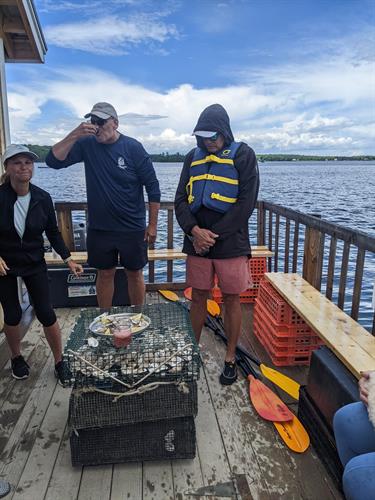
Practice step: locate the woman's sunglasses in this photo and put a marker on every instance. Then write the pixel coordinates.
(95, 120)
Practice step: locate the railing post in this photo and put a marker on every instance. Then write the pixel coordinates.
(64, 220)
(261, 223)
(313, 257)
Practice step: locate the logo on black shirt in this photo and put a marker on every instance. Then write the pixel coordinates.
(121, 163)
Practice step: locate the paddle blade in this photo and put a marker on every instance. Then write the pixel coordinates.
(213, 308)
(285, 383)
(268, 405)
(187, 293)
(169, 295)
(293, 434)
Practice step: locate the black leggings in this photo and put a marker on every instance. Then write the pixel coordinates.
(37, 286)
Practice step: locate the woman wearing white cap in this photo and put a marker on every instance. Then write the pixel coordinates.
(27, 211)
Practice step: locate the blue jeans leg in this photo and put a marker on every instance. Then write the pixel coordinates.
(355, 440)
(359, 477)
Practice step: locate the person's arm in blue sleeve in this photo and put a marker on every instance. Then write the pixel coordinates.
(68, 151)
(238, 215)
(147, 176)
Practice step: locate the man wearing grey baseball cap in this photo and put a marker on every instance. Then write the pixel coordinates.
(117, 169)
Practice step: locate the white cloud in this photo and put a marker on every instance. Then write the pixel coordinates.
(110, 35)
(309, 107)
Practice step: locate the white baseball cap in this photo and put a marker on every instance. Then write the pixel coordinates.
(204, 133)
(16, 149)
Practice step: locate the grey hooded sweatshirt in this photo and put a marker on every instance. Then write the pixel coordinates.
(232, 226)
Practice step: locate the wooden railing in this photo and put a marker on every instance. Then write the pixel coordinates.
(64, 212)
(327, 255)
(301, 243)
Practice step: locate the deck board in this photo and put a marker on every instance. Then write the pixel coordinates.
(235, 448)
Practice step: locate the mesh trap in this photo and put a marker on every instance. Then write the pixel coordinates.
(157, 440)
(90, 408)
(166, 351)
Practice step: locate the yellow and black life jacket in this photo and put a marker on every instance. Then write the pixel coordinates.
(213, 179)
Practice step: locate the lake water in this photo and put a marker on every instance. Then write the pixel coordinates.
(340, 192)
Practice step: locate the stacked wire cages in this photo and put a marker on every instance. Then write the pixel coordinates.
(257, 268)
(288, 340)
(137, 402)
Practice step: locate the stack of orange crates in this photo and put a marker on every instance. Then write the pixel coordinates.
(257, 266)
(288, 340)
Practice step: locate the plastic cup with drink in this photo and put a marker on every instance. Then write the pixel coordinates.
(122, 334)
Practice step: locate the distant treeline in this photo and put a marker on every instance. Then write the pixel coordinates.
(42, 152)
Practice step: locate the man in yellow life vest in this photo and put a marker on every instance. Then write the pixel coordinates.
(215, 198)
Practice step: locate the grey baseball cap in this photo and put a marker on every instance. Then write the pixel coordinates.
(17, 149)
(204, 133)
(103, 110)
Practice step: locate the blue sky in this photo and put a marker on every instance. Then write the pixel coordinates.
(294, 75)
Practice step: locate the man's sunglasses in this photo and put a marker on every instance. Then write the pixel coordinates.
(95, 120)
(214, 137)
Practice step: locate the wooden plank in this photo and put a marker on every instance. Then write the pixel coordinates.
(157, 481)
(312, 257)
(17, 450)
(170, 213)
(38, 469)
(287, 242)
(254, 447)
(65, 223)
(352, 344)
(212, 454)
(295, 247)
(343, 275)
(236, 439)
(153, 254)
(357, 283)
(331, 267)
(65, 480)
(126, 481)
(96, 483)
(187, 476)
(277, 233)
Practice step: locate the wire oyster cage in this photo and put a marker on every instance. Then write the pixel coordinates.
(89, 408)
(166, 351)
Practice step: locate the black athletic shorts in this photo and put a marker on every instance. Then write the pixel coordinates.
(106, 249)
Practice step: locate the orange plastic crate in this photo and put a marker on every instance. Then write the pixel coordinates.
(279, 309)
(279, 329)
(283, 342)
(288, 357)
(258, 265)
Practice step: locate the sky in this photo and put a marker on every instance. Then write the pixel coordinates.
(296, 76)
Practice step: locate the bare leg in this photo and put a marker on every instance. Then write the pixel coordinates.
(198, 310)
(232, 323)
(13, 336)
(53, 336)
(136, 287)
(105, 286)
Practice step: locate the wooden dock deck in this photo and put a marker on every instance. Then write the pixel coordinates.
(239, 456)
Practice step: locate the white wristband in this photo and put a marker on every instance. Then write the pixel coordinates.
(68, 259)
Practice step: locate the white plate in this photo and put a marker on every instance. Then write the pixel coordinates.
(103, 324)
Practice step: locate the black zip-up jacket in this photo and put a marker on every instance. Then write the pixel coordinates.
(26, 256)
(232, 226)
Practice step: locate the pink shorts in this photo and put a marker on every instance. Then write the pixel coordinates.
(233, 274)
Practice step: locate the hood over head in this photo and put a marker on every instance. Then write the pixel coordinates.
(214, 118)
